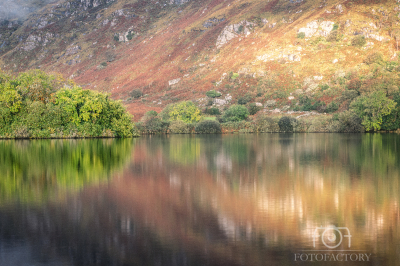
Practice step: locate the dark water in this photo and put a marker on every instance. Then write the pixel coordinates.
(268, 199)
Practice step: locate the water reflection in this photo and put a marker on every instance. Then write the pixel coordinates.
(32, 169)
(224, 200)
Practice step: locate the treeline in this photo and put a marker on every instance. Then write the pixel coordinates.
(38, 105)
(371, 112)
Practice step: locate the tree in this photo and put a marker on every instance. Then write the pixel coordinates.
(371, 108)
(185, 111)
(236, 113)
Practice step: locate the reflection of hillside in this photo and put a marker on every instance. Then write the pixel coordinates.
(236, 200)
(276, 187)
(32, 169)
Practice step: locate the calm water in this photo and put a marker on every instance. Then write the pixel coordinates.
(202, 200)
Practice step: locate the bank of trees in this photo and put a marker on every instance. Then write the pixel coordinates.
(38, 105)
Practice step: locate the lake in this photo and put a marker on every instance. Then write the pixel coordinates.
(236, 199)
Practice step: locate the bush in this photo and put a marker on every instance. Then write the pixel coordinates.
(208, 127)
(155, 125)
(213, 94)
(358, 41)
(332, 107)
(136, 93)
(212, 111)
(348, 95)
(301, 35)
(348, 122)
(245, 99)
(253, 108)
(130, 35)
(236, 113)
(267, 124)
(234, 76)
(375, 57)
(286, 124)
(179, 127)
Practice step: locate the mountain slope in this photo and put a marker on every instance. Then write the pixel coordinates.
(176, 50)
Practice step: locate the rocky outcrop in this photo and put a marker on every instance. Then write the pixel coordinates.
(232, 31)
(317, 29)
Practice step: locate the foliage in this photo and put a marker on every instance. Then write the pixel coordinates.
(155, 125)
(136, 93)
(332, 107)
(150, 113)
(208, 127)
(392, 120)
(213, 94)
(236, 113)
(179, 127)
(371, 108)
(307, 105)
(212, 111)
(35, 105)
(267, 124)
(301, 35)
(358, 41)
(286, 124)
(185, 111)
(244, 99)
(130, 35)
(253, 108)
(234, 76)
(375, 57)
(346, 122)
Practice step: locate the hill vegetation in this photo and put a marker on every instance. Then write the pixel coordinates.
(276, 58)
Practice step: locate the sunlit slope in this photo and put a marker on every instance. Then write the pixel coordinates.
(176, 52)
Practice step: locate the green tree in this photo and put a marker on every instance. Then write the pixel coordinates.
(185, 111)
(371, 108)
(236, 113)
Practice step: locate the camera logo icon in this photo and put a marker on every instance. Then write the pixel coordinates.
(331, 236)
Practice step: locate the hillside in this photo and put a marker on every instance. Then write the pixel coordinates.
(276, 53)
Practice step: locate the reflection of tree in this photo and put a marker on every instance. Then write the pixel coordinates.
(31, 169)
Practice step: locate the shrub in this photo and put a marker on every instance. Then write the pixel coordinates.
(151, 113)
(136, 93)
(234, 76)
(245, 99)
(155, 125)
(358, 41)
(253, 108)
(348, 95)
(212, 111)
(301, 35)
(348, 122)
(332, 107)
(213, 94)
(267, 124)
(372, 58)
(208, 127)
(179, 127)
(286, 124)
(236, 113)
(130, 35)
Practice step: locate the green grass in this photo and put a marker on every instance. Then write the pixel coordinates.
(213, 118)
